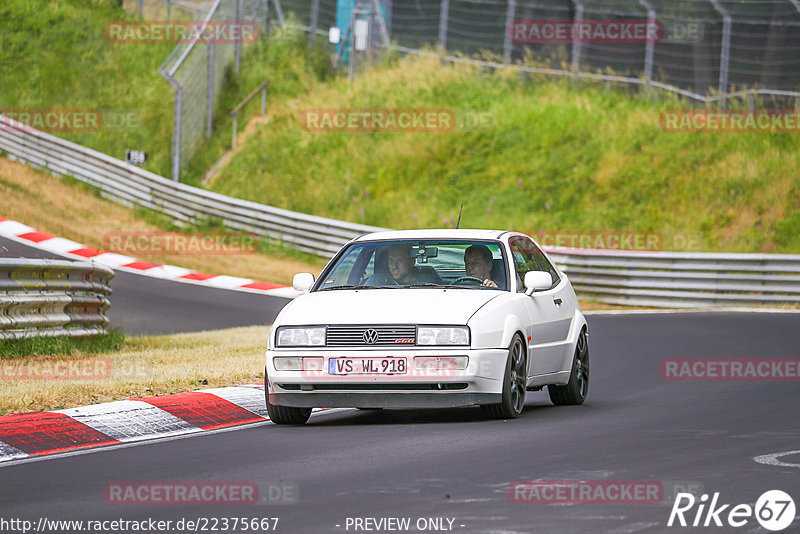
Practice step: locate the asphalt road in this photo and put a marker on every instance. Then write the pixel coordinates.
(145, 305)
(454, 464)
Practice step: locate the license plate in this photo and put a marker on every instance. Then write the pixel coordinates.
(367, 366)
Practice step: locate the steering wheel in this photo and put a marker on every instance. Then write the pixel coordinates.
(479, 281)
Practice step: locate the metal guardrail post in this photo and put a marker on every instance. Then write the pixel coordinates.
(725, 51)
(210, 93)
(237, 47)
(279, 12)
(576, 43)
(650, 44)
(508, 42)
(312, 35)
(444, 13)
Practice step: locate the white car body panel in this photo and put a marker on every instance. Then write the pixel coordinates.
(549, 331)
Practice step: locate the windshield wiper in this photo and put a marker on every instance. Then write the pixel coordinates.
(431, 284)
(345, 286)
(354, 286)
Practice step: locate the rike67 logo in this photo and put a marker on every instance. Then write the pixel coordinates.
(774, 510)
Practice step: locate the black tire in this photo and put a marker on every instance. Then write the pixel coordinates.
(574, 392)
(513, 400)
(285, 415)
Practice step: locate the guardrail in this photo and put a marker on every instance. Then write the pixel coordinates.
(641, 279)
(682, 279)
(53, 298)
(133, 186)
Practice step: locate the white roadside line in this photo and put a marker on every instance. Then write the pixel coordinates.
(690, 310)
(772, 459)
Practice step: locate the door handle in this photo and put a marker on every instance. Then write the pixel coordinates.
(557, 302)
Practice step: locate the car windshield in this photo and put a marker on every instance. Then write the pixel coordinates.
(419, 263)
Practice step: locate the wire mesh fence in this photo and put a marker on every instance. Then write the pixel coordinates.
(196, 68)
(708, 50)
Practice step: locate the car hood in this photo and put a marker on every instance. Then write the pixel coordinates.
(386, 306)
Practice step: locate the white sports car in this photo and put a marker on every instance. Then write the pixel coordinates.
(428, 319)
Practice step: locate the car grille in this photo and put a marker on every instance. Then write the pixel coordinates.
(371, 336)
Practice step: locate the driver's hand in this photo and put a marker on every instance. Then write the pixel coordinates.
(488, 283)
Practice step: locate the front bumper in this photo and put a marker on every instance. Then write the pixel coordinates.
(480, 383)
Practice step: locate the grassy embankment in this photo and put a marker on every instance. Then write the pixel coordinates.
(560, 157)
(54, 55)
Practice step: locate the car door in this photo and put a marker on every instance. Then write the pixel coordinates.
(551, 311)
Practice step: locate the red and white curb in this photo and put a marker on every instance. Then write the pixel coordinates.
(43, 433)
(26, 235)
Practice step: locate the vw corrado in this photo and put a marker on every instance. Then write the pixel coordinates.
(427, 319)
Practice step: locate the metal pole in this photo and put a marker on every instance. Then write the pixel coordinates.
(444, 13)
(312, 36)
(576, 43)
(169, 9)
(235, 123)
(278, 11)
(507, 42)
(264, 100)
(141, 8)
(650, 44)
(176, 135)
(237, 47)
(724, 57)
(350, 65)
(210, 89)
(382, 23)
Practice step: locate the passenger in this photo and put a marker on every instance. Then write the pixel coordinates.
(402, 270)
(478, 263)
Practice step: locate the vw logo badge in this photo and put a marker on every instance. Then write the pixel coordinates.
(370, 336)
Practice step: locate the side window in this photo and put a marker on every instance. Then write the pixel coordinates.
(528, 257)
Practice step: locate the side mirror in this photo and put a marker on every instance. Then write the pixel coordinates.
(302, 282)
(536, 281)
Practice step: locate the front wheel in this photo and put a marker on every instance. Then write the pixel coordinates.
(285, 415)
(574, 392)
(513, 399)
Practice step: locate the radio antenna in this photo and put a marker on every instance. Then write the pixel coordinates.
(459, 215)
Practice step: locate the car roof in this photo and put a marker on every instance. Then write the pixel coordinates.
(440, 233)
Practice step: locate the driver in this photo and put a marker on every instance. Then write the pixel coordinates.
(401, 268)
(478, 263)
(400, 263)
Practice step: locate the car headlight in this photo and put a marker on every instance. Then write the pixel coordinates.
(291, 336)
(442, 335)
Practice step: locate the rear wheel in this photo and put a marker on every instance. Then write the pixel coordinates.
(513, 399)
(285, 415)
(574, 392)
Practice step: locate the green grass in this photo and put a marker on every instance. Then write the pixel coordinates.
(54, 55)
(58, 59)
(560, 156)
(112, 340)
